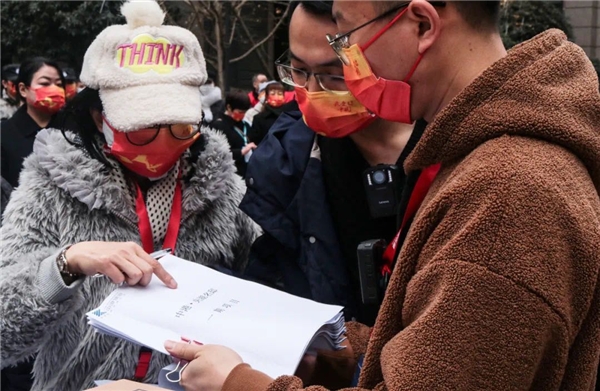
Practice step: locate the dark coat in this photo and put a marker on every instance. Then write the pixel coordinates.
(264, 120)
(286, 197)
(17, 137)
(235, 138)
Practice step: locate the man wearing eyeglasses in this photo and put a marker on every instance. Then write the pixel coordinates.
(306, 190)
(305, 183)
(496, 286)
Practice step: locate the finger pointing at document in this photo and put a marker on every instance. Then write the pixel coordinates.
(119, 261)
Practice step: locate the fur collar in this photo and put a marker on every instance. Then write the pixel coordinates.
(88, 181)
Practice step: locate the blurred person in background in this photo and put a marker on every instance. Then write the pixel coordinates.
(257, 108)
(10, 102)
(271, 110)
(40, 86)
(71, 83)
(212, 100)
(236, 131)
(257, 79)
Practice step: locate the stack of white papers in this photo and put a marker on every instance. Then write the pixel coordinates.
(271, 330)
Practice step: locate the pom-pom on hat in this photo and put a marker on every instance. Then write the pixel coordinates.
(147, 73)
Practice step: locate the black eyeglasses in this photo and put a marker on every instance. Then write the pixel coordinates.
(387, 13)
(299, 78)
(146, 136)
(342, 41)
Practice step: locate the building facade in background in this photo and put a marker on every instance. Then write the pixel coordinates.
(584, 16)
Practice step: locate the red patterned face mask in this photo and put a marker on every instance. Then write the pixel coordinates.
(388, 99)
(70, 90)
(276, 100)
(49, 99)
(154, 159)
(333, 115)
(238, 115)
(11, 90)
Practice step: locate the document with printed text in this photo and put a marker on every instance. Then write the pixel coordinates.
(271, 330)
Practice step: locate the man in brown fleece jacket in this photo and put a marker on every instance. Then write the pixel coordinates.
(497, 283)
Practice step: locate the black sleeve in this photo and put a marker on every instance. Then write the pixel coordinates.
(263, 261)
(232, 138)
(217, 109)
(258, 131)
(237, 154)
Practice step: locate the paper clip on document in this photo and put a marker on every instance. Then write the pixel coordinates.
(177, 370)
(156, 255)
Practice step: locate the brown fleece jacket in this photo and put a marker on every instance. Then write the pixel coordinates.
(497, 284)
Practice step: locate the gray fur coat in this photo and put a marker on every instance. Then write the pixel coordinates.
(64, 198)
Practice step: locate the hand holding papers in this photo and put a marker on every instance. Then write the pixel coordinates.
(126, 385)
(269, 329)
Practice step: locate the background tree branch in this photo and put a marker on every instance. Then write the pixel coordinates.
(265, 39)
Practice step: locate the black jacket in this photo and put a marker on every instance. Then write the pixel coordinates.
(236, 133)
(263, 121)
(17, 135)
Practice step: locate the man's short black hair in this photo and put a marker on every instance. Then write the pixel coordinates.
(255, 77)
(70, 75)
(480, 15)
(317, 7)
(237, 99)
(10, 72)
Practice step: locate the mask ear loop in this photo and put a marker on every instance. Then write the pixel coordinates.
(383, 30)
(414, 67)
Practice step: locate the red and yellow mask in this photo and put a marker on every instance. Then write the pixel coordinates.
(70, 90)
(333, 115)
(49, 99)
(150, 152)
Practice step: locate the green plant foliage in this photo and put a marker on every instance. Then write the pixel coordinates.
(522, 20)
(60, 30)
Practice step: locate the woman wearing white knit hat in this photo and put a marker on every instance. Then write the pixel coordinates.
(131, 172)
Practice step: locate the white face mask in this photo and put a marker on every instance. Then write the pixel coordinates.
(262, 99)
(108, 134)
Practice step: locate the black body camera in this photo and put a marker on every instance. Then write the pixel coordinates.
(381, 186)
(370, 255)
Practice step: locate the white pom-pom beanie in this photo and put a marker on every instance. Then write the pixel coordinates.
(147, 73)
